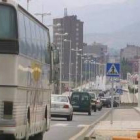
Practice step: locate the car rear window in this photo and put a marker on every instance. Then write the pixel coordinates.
(75, 97)
(84, 97)
(59, 99)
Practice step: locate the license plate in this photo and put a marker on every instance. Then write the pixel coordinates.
(55, 106)
(75, 106)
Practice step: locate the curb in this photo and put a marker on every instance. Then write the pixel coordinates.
(137, 109)
(88, 136)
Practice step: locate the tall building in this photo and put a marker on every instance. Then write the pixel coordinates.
(74, 28)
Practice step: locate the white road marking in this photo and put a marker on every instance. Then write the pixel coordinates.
(82, 125)
(60, 124)
(80, 133)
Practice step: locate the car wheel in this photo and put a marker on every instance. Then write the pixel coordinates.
(95, 109)
(109, 105)
(69, 118)
(89, 113)
(100, 109)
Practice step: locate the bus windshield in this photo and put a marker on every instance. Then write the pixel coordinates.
(7, 22)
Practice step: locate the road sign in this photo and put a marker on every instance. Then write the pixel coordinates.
(113, 69)
(119, 91)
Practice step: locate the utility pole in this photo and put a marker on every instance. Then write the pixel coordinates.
(60, 52)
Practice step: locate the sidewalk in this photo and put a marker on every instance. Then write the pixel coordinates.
(126, 122)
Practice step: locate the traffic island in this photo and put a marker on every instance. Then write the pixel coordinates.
(127, 138)
(126, 123)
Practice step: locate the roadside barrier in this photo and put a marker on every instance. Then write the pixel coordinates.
(124, 138)
(138, 135)
(127, 138)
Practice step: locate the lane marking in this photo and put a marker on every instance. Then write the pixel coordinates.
(87, 127)
(60, 124)
(82, 125)
(80, 133)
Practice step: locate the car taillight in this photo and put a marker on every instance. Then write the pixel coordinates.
(66, 106)
(97, 102)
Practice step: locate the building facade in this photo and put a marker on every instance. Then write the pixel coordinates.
(74, 28)
(130, 52)
(98, 50)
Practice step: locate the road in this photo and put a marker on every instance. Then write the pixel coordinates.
(65, 130)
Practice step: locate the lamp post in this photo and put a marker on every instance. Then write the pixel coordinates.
(90, 62)
(82, 57)
(42, 15)
(92, 75)
(77, 50)
(60, 52)
(28, 4)
(69, 65)
(54, 25)
(85, 62)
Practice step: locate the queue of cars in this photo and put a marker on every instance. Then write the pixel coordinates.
(79, 101)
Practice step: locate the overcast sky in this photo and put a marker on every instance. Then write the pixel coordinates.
(66, 3)
(56, 6)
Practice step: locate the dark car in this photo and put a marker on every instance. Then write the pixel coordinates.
(106, 101)
(81, 102)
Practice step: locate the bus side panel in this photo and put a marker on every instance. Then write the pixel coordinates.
(33, 80)
(8, 71)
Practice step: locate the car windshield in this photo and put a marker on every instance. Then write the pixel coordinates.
(75, 97)
(59, 99)
(84, 97)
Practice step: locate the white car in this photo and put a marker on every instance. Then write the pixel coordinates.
(61, 107)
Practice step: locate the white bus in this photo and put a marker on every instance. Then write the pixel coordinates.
(25, 90)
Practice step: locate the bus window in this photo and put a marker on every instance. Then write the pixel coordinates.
(22, 35)
(7, 22)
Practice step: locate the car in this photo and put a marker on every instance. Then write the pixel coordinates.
(101, 94)
(99, 104)
(95, 102)
(81, 102)
(61, 107)
(107, 101)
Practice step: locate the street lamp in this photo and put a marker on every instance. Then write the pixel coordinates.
(82, 57)
(60, 52)
(54, 25)
(69, 64)
(42, 15)
(86, 68)
(76, 50)
(28, 4)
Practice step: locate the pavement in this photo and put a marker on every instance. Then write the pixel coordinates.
(61, 129)
(126, 122)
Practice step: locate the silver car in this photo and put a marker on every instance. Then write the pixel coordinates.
(61, 107)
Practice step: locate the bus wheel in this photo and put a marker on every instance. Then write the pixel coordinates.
(38, 136)
(27, 125)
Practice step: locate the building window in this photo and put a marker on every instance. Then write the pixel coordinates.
(77, 29)
(77, 38)
(77, 34)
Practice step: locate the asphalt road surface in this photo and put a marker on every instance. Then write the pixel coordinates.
(61, 129)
